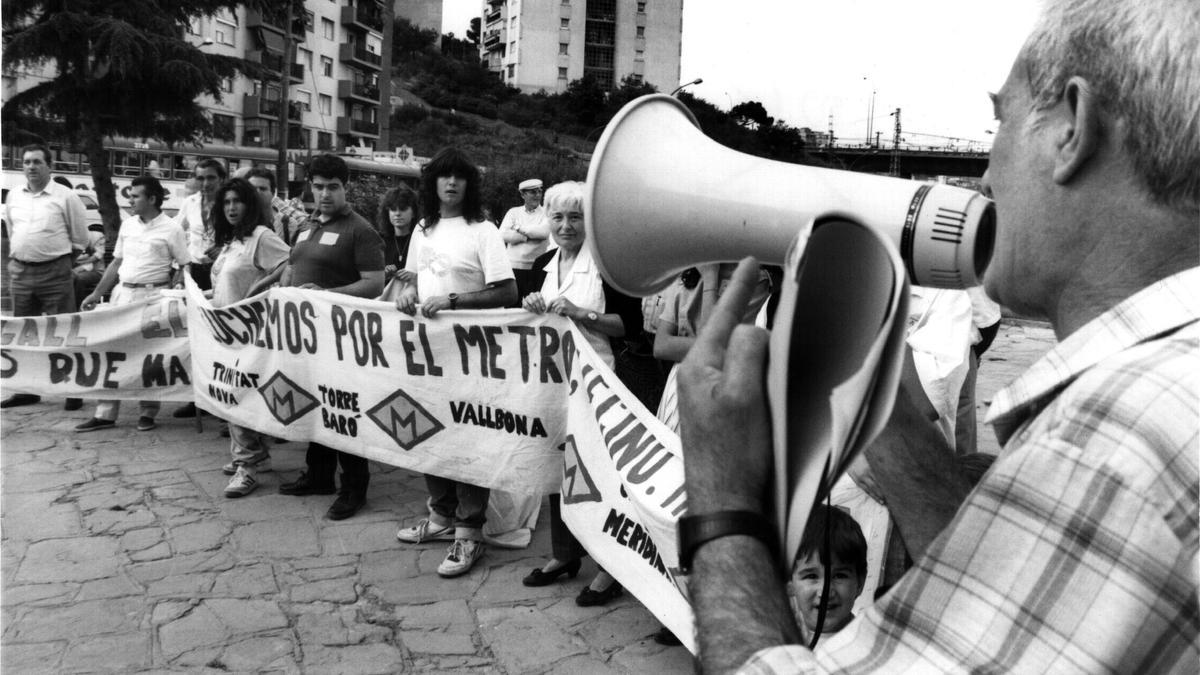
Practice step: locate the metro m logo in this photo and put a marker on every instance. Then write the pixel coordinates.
(286, 400)
(404, 420)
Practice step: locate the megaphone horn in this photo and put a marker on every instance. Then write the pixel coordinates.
(662, 197)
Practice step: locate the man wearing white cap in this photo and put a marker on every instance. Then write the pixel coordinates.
(526, 234)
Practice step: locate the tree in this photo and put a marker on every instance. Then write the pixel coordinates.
(473, 32)
(752, 115)
(119, 69)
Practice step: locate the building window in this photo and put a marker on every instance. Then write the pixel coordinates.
(309, 21)
(326, 29)
(225, 33)
(325, 104)
(512, 71)
(193, 27)
(227, 85)
(222, 126)
(326, 66)
(641, 8)
(562, 73)
(305, 57)
(639, 55)
(641, 31)
(562, 48)
(324, 140)
(512, 49)
(564, 23)
(303, 99)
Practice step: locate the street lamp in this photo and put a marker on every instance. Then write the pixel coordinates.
(698, 80)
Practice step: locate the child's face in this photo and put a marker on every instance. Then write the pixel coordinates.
(844, 588)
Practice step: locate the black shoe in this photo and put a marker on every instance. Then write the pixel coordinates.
(185, 410)
(347, 504)
(665, 637)
(305, 486)
(146, 423)
(539, 578)
(96, 424)
(589, 598)
(73, 404)
(19, 400)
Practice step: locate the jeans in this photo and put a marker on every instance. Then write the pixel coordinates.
(460, 504)
(323, 462)
(247, 447)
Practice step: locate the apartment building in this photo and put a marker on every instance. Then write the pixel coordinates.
(545, 44)
(333, 87)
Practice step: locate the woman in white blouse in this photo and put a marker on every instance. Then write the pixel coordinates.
(573, 288)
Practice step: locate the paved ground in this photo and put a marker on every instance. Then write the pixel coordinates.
(120, 554)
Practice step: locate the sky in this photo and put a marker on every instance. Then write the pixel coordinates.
(806, 60)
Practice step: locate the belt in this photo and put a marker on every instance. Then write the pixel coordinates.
(39, 263)
(161, 284)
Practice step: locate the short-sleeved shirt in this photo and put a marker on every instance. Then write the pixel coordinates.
(455, 256)
(245, 261)
(194, 216)
(147, 250)
(336, 252)
(531, 223)
(45, 225)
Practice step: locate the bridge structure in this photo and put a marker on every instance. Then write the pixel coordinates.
(915, 160)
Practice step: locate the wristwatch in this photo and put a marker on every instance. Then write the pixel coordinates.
(694, 531)
(593, 317)
(454, 301)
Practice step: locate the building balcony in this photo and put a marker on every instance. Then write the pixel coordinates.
(273, 63)
(367, 93)
(493, 16)
(272, 22)
(257, 106)
(366, 15)
(357, 55)
(495, 37)
(357, 127)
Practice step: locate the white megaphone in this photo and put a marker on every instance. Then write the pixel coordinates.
(662, 197)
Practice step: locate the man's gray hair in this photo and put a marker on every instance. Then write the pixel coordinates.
(1142, 60)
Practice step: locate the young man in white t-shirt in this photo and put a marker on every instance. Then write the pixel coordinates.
(460, 263)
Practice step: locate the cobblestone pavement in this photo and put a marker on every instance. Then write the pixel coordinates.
(120, 554)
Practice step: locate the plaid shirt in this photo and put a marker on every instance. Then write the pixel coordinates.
(290, 218)
(1077, 553)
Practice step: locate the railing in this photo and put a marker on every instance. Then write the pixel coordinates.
(364, 126)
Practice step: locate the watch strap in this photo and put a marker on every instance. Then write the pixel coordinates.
(453, 301)
(694, 531)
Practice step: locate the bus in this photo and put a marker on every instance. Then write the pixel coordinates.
(173, 166)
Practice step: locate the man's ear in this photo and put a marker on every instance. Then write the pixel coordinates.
(1079, 133)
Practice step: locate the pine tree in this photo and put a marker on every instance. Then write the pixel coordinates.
(119, 68)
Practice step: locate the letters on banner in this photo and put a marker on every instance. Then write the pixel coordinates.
(135, 351)
(473, 396)
(623, 490)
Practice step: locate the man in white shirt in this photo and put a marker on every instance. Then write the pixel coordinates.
(48, 228)
(526, 234)
(195, 215)
(147, 246)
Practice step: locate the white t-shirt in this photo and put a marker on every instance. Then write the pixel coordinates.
(456, 257)
(147, 250)
(245, 261)
(531, 224)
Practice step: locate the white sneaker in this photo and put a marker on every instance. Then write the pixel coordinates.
(425, 531)
(263, 465)
(242, 483)
(460, 558)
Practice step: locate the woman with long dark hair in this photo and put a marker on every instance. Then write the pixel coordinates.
(459, 262)
(399, 212)
(251, 257)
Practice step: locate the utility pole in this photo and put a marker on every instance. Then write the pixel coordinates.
(894, 169)
(385, 79)
(285, 105)
(830, 130)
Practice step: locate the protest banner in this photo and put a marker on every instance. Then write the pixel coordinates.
(135, 351)
(476, 396)
(622, 489)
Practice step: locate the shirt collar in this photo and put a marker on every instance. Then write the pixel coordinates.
(1156, 310)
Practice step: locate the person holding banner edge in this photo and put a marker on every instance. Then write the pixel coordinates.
(340, 252)
(148, 245)
(572, 287)
(460, 263)
(1078, 550)
(252, 254)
